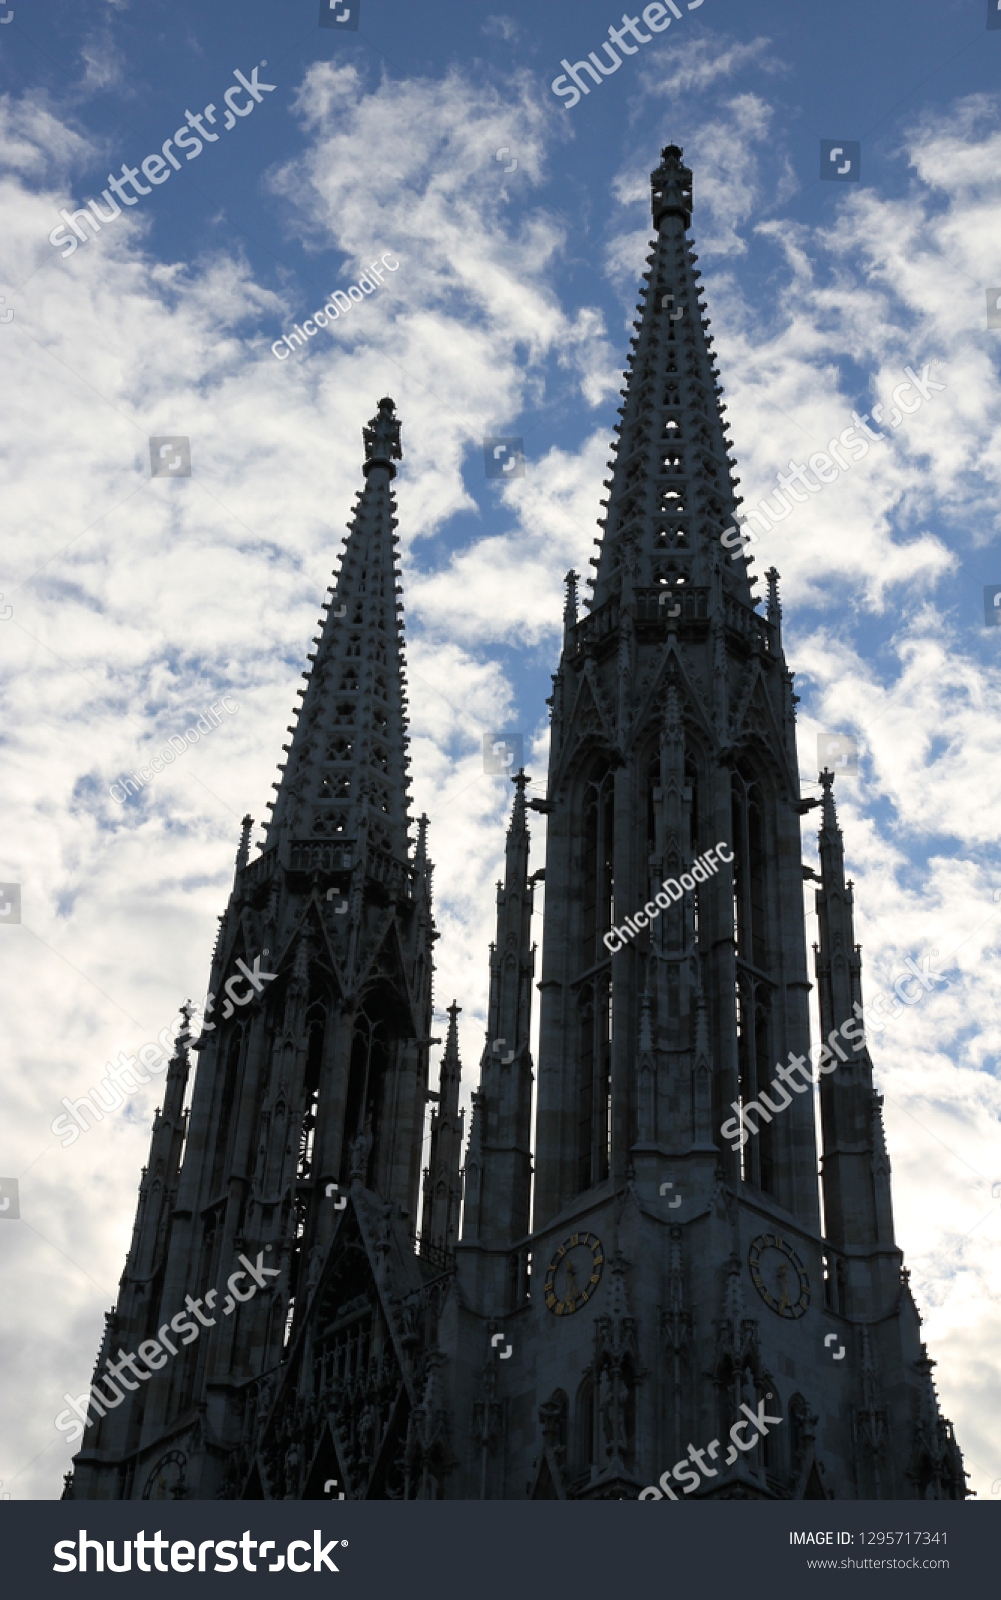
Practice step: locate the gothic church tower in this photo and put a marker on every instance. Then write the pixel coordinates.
(684, 1261)
(312, 1082)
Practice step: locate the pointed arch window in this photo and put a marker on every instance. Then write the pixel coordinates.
(315, 1021)
(226, 1105)
(594, 998)
(652, 793)
(594, 1055)
(366, 1081)
(597, 880)
(749, 875)
(755, 1068)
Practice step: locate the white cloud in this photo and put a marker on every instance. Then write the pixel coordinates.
(500, 27)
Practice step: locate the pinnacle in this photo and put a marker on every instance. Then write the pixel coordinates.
(518, 810)
(451, 1066)
(829, 812)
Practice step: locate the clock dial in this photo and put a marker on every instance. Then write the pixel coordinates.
(779, 1276)
(573, 1274)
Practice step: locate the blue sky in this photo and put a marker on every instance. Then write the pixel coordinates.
(136, 602)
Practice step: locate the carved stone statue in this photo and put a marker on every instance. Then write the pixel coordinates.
(315, 1268)
(361, 1148)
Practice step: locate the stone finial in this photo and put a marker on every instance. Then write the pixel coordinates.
(184, 1032)
(828, 812)
(672, 188)
(382, 439)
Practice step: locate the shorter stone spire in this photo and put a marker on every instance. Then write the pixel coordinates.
(857, 1205)
(497, 1212)
(442, 1175)
(158, 1186)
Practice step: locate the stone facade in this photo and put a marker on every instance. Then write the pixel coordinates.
(607, 1321)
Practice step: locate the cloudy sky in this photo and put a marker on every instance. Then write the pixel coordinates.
(131, 603)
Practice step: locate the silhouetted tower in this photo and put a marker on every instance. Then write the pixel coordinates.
(678, 1268)
(314, 1055)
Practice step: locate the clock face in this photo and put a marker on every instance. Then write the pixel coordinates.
(779, 1276)
(573, 1274)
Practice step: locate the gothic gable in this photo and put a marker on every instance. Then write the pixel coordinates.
(358, 1397)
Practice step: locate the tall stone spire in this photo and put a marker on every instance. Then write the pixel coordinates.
(442, 1175)
(856, 1185)
(499, 1170)
(346, 773)
(671, 494)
